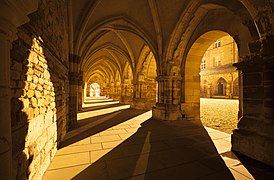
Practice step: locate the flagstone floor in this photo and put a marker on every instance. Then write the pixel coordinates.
(117, 142)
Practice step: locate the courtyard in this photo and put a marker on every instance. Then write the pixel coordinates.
(219, 114)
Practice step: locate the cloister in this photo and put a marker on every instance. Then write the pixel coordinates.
(58, 57)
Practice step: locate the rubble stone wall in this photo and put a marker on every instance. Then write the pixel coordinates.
(40, 87)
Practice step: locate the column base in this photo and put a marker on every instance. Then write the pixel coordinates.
(167, 112)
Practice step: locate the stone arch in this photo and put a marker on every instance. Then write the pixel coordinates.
(127, 73)
(127, 85)
(142, 58)
(191, 78)
(145, 80)
(116, 86)
(224, 15)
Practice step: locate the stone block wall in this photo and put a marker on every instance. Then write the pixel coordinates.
(254, 134)
(39, 90)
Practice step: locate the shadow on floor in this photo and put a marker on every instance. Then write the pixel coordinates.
(85, 109)
(99, 113)
(128, 146)
(161, 150)
(258, 169)
(109, 120)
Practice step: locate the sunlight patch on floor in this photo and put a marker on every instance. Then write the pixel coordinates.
(89, 114)
(222, 142)
(71, 160)
(75, 158)
(99, 103)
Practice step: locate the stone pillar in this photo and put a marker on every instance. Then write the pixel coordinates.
(111, 90)
(126, 92)
(145, 95)
(190, 104)
(123, 93)
(103, 89)
(12, 15)
(88, 90)
(85, 92)
(254, 134)
(5, 115)
(80, 91)
(139, 101)
(168, 106)
(240, 112)
(73, 90)
(118, 90)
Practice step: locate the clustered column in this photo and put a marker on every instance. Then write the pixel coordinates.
(168, 105)
(73, 90)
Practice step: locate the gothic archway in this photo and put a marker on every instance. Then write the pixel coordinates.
(192, 75)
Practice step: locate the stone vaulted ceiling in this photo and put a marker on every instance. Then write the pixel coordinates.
(111, 34)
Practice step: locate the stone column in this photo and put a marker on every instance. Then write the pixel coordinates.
(12, 15)
(85, 92)
(254, 134)
(240, 112)
(88, 90)
(126, 95)
(6, 38)
(73, 90)
(123, 93)
(112, 91)
(168, 106)
(139, 101)
(80, 91)
(107, 90)
(118, 90)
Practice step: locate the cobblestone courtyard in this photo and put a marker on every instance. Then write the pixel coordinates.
(220, 114)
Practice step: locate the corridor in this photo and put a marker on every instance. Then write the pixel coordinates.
(117, 142)
(146, 63)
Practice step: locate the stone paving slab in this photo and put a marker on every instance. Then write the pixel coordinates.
(153, 150)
